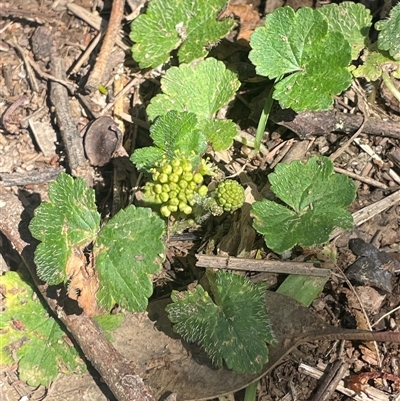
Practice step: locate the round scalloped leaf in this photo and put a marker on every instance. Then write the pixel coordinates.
(191, 25)
(129, 249)
(172, 132)
(189, 88)
(317, 198)
(299, 44)
(389, 35)
(27, 331)
(352, 20)
(224, 328)
(69, 220)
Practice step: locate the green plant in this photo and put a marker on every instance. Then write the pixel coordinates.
(223, 319)
(124, 252)
(316, 197)
(188, 88)
(229, 195)
(308, 54)
(25, 328)
(190, 26)
(381, 59)
(174, 184)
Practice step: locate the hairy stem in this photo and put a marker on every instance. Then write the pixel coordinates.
(390, 85)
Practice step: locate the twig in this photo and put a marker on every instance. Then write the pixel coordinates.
(86, 54)
(368, 212)
(367, 149)
(330, 381)
(366, 180)
(96, 76)
(386, 315)
(31, 177)
(374, 393)
(126, 89)
(69, 133)
(31, 75)
(257, 265)
(33, 65)
(343, 148)
(116, 371)
(93, 20)
(323, 122)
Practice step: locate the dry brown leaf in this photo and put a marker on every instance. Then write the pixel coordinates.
(83, 284)
(249, 19)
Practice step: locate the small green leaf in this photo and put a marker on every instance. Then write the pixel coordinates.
(219, 132)
(146, 158)
(190, 25)
(317, 198)
(300, 44)
(173, 132)
(389, 35)
(235, 328)
(352, 20)
(304, 289)
(36, 338)
(189, 88)
(69, 220)
(373, 64)
(129, 249)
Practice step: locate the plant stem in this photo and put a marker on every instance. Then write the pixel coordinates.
(390, 85)
(262, 122)
(251, 392)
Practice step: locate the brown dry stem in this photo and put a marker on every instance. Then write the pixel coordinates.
(96, 76)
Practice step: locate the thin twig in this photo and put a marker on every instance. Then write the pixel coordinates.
(366, 180)
(386, 315)
(331, 380)
(126, 89)
(96, 76)
(93, 20)
(72, 140)
(257, 265)
(367, 149)
(31, 75)
(375, 394)
(86, 54)
(29, 62)
(343, 148)
(368, 212)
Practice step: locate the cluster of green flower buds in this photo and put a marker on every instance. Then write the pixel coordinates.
(174, 185)
(229, 195)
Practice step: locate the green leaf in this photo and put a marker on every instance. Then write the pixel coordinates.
(300, 44)
(389, 35)
(303, 289)
(374, 63)
(352, 20)
(146, 158)
(235, 328)
(190, 25)
(317, 198)
(69, 220)
(39, 343)
(189, 88)
(173, 132)
(129, 249)
(219, 132)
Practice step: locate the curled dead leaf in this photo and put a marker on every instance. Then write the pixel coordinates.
(83, 282)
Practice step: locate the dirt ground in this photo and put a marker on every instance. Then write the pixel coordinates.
(43, 42)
